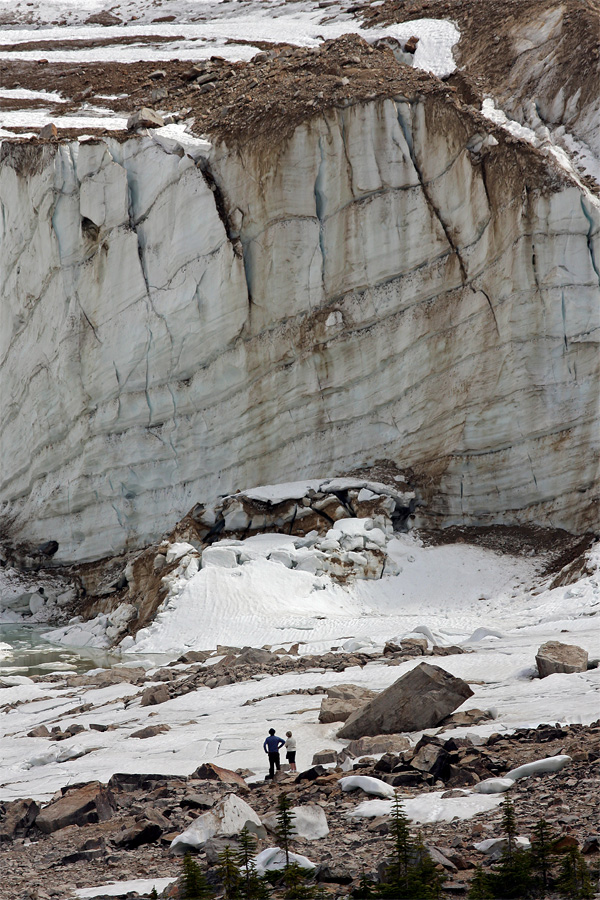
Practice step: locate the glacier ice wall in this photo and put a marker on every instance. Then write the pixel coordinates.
(382, 285)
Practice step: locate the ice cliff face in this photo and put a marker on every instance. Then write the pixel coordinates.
(389, 283)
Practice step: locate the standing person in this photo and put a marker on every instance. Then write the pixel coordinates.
(271, 746)
(290, 748)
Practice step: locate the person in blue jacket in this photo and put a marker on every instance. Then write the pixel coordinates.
(271, 747)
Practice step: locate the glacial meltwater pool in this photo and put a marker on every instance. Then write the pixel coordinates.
(24, 652)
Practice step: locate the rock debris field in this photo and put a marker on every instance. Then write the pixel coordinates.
(352, 249)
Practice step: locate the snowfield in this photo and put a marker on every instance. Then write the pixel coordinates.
(494, 606)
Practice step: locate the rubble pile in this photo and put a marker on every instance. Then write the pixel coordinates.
(125, 829)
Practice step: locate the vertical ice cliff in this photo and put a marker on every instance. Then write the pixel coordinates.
(388, 283)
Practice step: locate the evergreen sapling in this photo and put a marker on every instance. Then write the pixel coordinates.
(285, 825)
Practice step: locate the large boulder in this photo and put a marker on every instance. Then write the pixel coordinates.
(82, 806)
(229, 817)
(419, 699)
(555, 657)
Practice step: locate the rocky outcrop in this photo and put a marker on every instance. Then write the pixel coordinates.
(348, 850)
(372, 288)
(553, 656)
(421, 698)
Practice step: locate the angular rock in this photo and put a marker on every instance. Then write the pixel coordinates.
(82, 806)
(48, 548)
(459, 776)
(406, 779)
(553, 656)
(420, 699)
(215, 846)
(133, 781)
(103, 18)
(451, 650)
(591, 845)
(311, 774)
(467, 717)
(144, 118)
(387, 762)
(337, 710)
(432, 759)
(152, 696)
(323, 757)
(230, 816)
(144, 831)
(47, 133)
(210, 772)
(39, 731)
(414, 646)
(198, 801)
(251, 656)
(326, 874)
(380, 743)
(75, 728)
(564, 843)
(440, 858)
(82, 856)
(149, 731)
(18, 818)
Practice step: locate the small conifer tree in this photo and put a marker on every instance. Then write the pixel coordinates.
(230, 874)
(195, 886)
(426, 878)
(541, 852)
(252, 886)
(480, 888)
(364, 889)
(509, 826)
(403, 847)
(411, 872)
(574, 880)
(294, 878)
(285, 825)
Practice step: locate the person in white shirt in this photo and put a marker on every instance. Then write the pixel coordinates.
(290, 750)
